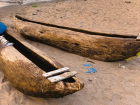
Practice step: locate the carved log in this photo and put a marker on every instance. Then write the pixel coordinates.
(25, 76)
(105, 48)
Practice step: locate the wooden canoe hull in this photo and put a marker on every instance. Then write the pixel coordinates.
(26, 77)
(98, 47)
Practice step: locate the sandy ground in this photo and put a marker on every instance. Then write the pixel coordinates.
(115, 83)
(110, 16)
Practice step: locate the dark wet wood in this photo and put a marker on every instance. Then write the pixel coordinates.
(93, 46)
(25, 76)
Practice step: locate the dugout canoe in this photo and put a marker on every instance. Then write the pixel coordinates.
(95, 45)
(27, 77)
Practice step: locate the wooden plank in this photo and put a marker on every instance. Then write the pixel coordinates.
(138, 37)
(56, 72)
(62, 76)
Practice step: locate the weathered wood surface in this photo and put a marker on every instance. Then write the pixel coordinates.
(93, 46)
(61, 70)
(25, 76)
(63, 76)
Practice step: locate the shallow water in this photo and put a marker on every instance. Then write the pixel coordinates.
(17, 2)
(2, 4)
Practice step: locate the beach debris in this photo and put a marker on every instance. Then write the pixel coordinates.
(91, 70)
(34, 14)
(138, 54)
(127, 1)
(123, 67)
(130, 58)
(5, 42)
(91, 61)
(86, 65)
(3, 27)
(90, 80)
(34, 6)
(88, 71)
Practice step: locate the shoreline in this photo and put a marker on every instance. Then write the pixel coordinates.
(7, 2)
(3, 4)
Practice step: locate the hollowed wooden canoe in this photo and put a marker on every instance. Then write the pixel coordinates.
(27, 77)
(95, 45)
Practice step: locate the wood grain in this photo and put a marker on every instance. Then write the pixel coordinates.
(93, 46)
(25, 76)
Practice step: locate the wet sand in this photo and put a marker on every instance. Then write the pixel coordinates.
(114, 83)
(4, 4)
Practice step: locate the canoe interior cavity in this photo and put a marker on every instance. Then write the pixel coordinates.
(30, 55)
(77, 30)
